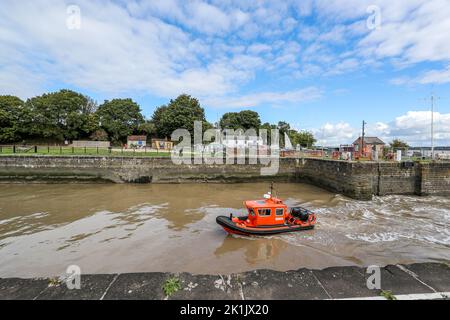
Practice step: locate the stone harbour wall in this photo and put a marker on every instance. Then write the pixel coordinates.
(358, 180)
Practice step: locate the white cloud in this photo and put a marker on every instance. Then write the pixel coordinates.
(207, 18)
(211, 49)
(441, 76)
(271, 98)
(436, 76)
(414, 127)
(334, 134)
(142, 49)
(413, 31)
(114, 52)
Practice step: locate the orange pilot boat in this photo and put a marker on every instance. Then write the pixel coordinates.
(268, 216)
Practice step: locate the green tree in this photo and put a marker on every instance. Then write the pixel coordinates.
(148, 128)
(59, 115)
(283, 128)
(178, 114)
(99, 135)
(398, 144)
(230, 120)
(303, 138)
(269, 127)
(120, 118)
(245, 120)
(11, 111)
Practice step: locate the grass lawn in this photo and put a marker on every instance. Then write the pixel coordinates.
(67, 151)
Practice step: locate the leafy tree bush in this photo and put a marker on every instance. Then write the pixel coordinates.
(178, 114)
(303, 138)
(245, 120)
(99, 135)
(398, 144)
(120, 118)
(62, 115)
(11, 110)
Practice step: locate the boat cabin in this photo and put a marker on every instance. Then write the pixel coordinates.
(266, 212)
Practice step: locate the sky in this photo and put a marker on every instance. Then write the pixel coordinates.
(323, 66)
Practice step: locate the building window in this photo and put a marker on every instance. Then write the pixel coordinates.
(280, 212)
(264, 212)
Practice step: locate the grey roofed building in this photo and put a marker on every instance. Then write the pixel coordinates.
(370, 140)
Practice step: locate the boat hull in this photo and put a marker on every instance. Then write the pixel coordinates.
(232, 227)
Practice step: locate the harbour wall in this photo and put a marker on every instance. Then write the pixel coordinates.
(358, 180)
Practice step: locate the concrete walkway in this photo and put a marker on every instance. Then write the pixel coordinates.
(416, 281)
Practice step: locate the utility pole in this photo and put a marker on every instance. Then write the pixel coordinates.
(323, 141)
(432, 126)
(362, 138)
(432, 99)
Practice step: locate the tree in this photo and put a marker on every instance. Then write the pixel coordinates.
(11, 110)
(60, 115)
(178, 114)
(398, 144)
(283, 128)
(119, 118)
(230, 120)
(245, 120)
(148, 128)
(99, 135)
(303, 138)
(269, 127)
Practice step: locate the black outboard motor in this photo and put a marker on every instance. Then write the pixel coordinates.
(300, 213)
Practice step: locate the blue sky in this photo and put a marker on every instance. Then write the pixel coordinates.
(321, 65)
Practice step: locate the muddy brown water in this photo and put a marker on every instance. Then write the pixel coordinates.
(143, 228)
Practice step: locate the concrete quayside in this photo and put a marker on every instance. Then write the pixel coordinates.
(415, 281)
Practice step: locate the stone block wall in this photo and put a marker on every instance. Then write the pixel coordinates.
(358, 180)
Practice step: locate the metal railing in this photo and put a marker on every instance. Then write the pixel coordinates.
(407, 155)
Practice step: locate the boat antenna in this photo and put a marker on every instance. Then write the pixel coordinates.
(271, 189)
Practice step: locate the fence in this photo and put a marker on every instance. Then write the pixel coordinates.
(90, 144)
(68, 150)
(424, 154)
(407, 155)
